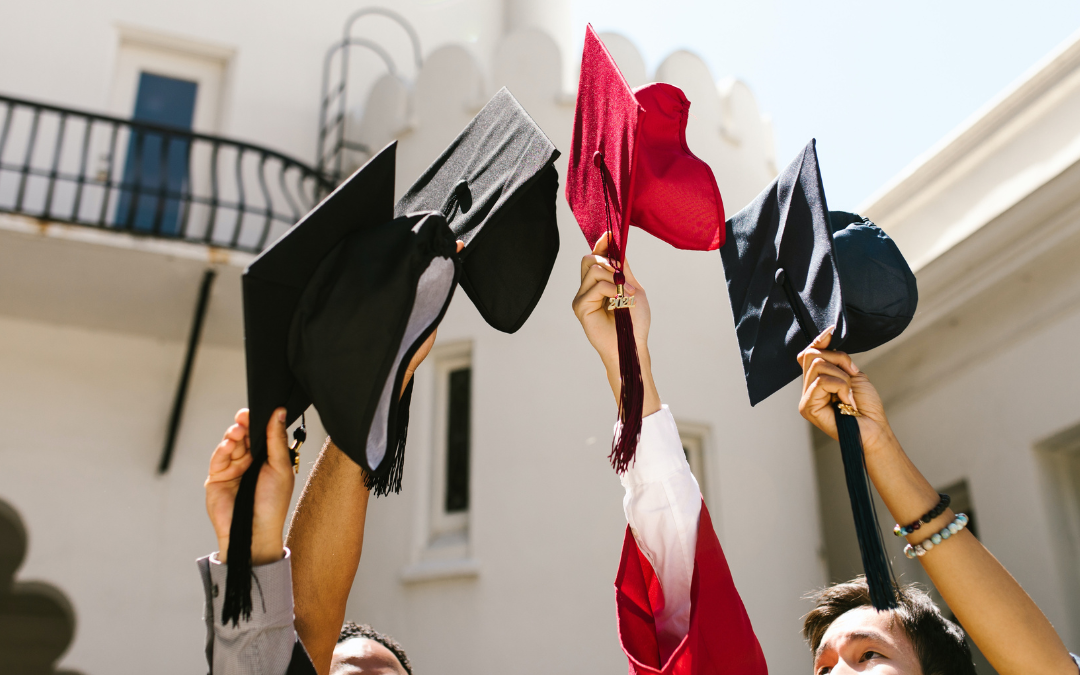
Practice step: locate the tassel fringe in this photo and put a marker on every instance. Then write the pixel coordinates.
(879, 574)
(390, 480)
(238, 578)
(632, 392)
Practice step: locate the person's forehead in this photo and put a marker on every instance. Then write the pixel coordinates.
(364, 656)
(863, 622)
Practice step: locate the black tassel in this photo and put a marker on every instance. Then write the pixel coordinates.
(879, 575)
(238, 578)
(390, 480)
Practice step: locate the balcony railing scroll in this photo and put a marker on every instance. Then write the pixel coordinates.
(78, 167)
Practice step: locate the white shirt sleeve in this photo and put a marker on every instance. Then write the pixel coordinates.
(662, 505)
(263, 644)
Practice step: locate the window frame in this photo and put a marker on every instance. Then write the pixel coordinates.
(694, 438)
(442, 524)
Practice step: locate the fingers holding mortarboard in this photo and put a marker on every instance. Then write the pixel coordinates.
(818, 349)
(230, 458)
(828, 375)
(273, 493)
(277, 442)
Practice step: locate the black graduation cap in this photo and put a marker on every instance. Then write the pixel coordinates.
(336, 308)
(793, 269)
(496, 185)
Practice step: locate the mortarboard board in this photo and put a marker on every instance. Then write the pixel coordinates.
(629, 165)
(336, 308)
(793, 269)
(499, 172)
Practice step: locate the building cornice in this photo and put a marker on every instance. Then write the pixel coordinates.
(1011, 105)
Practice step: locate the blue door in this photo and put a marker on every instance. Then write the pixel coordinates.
(156, 168)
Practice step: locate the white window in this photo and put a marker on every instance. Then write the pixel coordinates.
(450, 478)
(443, 545)
(1060, 458)
(694, 439)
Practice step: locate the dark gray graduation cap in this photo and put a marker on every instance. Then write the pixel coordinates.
(333, 311)
(793, 269)
(496, 185)
(336, 308)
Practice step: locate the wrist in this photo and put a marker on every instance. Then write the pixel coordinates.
(880, 442)
(651, 401)
(266, 553)
(261, 554)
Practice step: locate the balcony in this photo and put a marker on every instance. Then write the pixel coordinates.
(70, 166)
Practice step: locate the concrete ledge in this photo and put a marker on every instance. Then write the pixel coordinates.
(102, 236)
(436, 570)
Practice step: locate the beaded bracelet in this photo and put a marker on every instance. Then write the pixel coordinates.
(904, 530)
(920, 549)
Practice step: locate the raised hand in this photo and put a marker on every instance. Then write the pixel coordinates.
(590, 307)
(828, 374)
(230, 460)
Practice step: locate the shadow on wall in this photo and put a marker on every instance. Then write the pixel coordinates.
(37, 623)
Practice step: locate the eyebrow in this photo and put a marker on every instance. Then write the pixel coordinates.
(853, 635)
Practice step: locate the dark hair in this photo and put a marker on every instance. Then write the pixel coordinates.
(939, 643)
(350, 630)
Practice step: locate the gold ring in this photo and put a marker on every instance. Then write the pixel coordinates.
(846, 409)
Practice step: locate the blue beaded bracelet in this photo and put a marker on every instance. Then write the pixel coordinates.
(921, 549)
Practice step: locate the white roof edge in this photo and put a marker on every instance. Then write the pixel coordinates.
(987, 119)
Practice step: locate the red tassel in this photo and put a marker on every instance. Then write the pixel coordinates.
(632, 392)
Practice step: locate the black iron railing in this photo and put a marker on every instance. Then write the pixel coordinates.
(71, 166)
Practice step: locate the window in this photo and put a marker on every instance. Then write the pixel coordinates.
(693, 437)
(1060, 459)
(164, 79)
(960, 502)
(156, 162)
(459, 392)
(443, 546)
(450, 475)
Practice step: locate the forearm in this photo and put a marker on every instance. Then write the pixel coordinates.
(996, 612)
(651, 402)
(326, 538)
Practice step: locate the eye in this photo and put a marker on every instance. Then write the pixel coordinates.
(824, 670)
(870, 654)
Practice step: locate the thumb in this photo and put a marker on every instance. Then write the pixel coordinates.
(277, 441)
(601, 247)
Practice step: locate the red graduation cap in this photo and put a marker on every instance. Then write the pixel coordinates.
(629, 165)
(638, 139)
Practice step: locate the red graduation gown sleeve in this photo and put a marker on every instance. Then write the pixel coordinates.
(720, 640)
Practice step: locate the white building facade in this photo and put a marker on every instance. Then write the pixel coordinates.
(983, 389)
(95, 325)
(500, 553)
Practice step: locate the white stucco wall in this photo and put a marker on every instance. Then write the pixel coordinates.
(92, 337)
(547, 524)
(65, 52)
(89, 365)
(987, 371)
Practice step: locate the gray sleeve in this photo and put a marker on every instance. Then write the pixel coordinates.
(264, 644)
